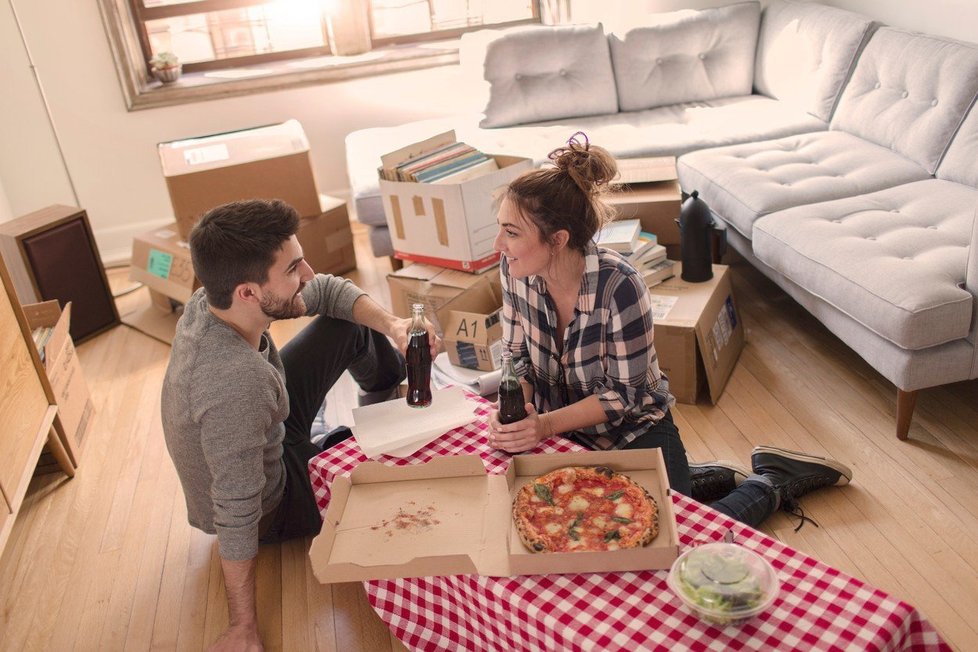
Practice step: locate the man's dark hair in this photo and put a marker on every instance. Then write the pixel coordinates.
(236, 243)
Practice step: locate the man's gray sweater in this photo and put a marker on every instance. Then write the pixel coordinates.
(224, 405)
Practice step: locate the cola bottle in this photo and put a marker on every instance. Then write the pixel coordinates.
(512, 404)
(418, 360)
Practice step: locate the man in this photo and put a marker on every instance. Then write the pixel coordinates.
(237, 412)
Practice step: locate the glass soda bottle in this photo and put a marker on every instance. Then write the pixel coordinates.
(418, 360)
(512, 404)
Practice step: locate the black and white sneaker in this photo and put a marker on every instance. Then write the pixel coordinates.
(795, 474)
(711, 481)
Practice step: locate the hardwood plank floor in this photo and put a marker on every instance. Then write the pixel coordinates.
(107, 561)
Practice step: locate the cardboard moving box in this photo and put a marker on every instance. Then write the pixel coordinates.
(161, 262)
(650, 193)
(656, 205)
(460, 520)
(449, 224)
(75, 408)
(431, 286)
(701, 336)
(327, 239)
(471, 328)
(269, 162)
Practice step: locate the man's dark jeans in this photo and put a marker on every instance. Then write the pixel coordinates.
(314, 360)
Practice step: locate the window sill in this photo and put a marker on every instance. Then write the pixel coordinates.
(212, 85)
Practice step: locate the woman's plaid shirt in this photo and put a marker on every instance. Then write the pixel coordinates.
(608, 349)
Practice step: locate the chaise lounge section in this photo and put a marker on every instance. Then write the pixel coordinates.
(870, 225)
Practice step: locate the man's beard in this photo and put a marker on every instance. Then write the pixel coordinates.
(277, 308)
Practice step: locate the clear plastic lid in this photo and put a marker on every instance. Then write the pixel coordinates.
(724, 583)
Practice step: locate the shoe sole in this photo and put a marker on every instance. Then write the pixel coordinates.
(844, 471)
(733, 466)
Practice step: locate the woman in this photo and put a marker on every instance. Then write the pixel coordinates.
(578, 322)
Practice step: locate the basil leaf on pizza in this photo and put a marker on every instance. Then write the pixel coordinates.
(582, 509)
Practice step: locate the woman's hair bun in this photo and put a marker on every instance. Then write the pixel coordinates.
(591, 167)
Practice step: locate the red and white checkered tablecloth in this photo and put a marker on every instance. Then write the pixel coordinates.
(820, 608)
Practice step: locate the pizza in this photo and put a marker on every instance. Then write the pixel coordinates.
(584, 509)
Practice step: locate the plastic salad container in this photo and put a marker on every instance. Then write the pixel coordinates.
(723, 583)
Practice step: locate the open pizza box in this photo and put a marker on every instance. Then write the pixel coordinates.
(450, 517)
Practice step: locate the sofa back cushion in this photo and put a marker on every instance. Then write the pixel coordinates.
(909, 92)
(546, 73)
(961, 161)
(686, 56)
(805, 52)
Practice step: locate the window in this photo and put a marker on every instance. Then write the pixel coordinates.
(244, 45)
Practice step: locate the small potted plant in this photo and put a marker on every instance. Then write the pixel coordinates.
(166, 66)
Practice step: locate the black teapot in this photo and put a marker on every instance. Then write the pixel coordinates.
(696, 226)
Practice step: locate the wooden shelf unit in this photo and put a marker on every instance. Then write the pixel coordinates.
(28, 410)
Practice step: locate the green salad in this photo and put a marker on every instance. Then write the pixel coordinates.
(724, 586)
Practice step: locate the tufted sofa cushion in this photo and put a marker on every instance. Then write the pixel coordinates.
(961, 161)
(805, 52)
(544, 73)
(909, 92)
(744, 182)
(688, 56)
(893, 260)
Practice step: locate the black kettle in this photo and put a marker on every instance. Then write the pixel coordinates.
(696, 226)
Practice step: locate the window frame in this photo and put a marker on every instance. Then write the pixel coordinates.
(129, 41)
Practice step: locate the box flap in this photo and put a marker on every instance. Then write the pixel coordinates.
(645, 169)
(720, 337)
(437, 275)
(395, 158)
(473, 316)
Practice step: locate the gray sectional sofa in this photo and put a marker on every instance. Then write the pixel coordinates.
(842, 155)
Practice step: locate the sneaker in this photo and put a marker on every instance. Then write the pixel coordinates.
(711, 481)
(795, 474)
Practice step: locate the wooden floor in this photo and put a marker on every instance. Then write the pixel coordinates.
(106, 561)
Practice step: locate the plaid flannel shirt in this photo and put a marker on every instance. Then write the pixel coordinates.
(607, 348)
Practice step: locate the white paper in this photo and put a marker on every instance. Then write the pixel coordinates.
(661, 305)
(394, 426)
(483, 383)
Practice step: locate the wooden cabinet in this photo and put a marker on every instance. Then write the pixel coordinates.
(28, 413)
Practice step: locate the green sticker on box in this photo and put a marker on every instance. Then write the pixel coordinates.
(159, 263)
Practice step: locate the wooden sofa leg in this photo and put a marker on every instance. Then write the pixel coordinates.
(905, 405)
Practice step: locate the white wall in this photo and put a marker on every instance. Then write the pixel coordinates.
(110, 153)
(952, 18)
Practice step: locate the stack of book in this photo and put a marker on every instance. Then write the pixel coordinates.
(639, 248)
(452, 162)
(41, 336)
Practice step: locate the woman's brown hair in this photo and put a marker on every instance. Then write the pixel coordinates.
(569, 194)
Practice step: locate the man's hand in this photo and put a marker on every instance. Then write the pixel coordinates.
(521, 436)
(367, 312)
(400, 333)
(239, 638)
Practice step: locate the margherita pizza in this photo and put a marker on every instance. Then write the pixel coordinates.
(584, 508)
